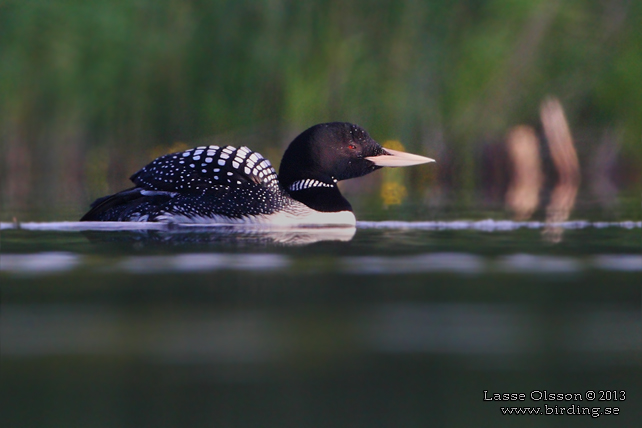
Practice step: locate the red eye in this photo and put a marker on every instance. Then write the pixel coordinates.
(352, 147)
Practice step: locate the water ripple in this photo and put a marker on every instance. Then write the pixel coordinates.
(204, 263)
(455, 263)
(488, 225)
(40, 263)
(493, 225)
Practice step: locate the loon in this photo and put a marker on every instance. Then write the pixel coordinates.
(229, 185)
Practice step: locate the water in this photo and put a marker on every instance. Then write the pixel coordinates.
(389, 324)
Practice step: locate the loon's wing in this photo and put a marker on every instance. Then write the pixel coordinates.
(208, 183)
(133, 204)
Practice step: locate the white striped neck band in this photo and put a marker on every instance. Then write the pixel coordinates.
(308, 184)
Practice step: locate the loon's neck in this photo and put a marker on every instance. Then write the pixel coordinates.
(320, 195)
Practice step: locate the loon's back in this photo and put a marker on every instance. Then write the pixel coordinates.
(207, 183)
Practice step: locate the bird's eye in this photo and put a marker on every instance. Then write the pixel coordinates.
(352, 147)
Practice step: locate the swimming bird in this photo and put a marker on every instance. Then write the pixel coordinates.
(229, 185)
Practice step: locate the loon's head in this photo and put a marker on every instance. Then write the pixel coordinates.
(331, 152)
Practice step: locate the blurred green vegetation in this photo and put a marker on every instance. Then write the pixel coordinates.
(90, 89)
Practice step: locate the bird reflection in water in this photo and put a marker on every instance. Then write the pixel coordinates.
(224, 234)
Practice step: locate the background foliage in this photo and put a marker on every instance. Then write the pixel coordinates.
(92, 90)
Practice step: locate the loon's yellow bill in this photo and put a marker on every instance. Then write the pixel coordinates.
(395, 158)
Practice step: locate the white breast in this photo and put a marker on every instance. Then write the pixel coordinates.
(295, 215)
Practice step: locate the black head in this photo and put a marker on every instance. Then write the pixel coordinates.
(329, 151)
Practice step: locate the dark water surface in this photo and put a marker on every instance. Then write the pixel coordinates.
(392, 324)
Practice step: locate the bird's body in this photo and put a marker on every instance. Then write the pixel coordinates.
(212, 184)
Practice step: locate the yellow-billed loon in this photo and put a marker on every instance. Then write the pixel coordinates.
(212, 184)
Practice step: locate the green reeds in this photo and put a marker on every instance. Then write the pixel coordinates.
(113, 80)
